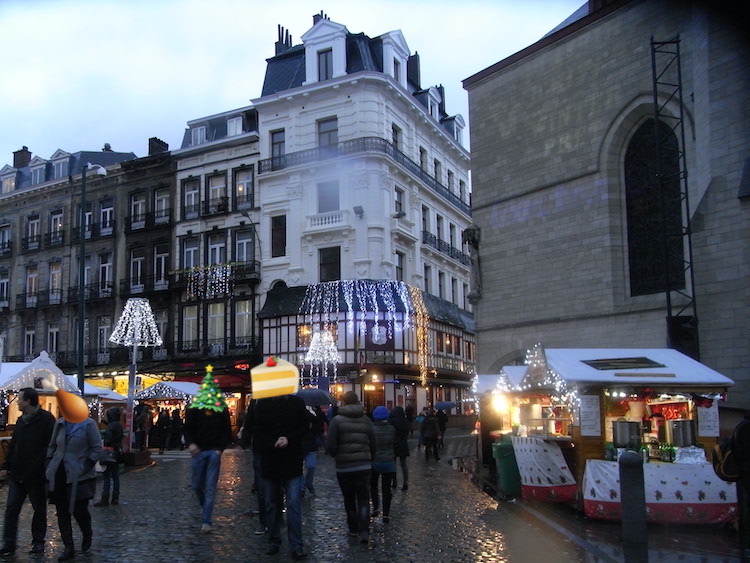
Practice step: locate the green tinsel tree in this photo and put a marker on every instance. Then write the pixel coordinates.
(209, 395)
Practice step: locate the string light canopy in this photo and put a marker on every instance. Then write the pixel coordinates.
(390, 305)
(137, 325)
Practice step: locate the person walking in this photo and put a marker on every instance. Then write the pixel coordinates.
(163, 423)
(312, 440)
(351, 441)
(24, 469)
(112, 439)
(73, 451)
(431, 433)
(247, 440)
(420, 419)
(442, 419)
(402, 426)
(280, 425)
(208, 432)
(741, 449)
(175, 431)
(383, 463)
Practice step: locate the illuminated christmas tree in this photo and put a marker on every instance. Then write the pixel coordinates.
(209, 395)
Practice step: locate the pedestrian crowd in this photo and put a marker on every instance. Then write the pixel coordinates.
(58, 460)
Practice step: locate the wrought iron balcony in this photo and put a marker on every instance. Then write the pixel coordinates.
(191, 211)
(27, 300)
(6, 248)
(246, 201)
(54, 239)
(216, 206)
(97, 290)
(148, 220)
(440, 245)
(359, 146)
(50, 297)
(31, 243)
(95, 230)
(218, 347)
(130, 287)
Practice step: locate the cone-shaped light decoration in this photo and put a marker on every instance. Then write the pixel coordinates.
(136, 325)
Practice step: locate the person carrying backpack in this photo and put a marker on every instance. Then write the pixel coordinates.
(741, 450)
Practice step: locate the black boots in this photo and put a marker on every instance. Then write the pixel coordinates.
(115, 497)
(104, 501)
(68, 554)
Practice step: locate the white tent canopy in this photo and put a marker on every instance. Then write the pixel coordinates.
(18, 375)
(632, 366)
(169, 390)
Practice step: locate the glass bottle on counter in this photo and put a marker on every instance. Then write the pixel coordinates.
(645, 453)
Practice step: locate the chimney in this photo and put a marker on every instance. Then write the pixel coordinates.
(441, 106)
(412, 70)
(157, 146)
(285, 40)
(21, 157)
(107, 147)
(320, 16)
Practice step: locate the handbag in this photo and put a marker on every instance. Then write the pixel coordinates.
(108, 455)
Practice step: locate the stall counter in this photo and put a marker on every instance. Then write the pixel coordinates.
(675, 493)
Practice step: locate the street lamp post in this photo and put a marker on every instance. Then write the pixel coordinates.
(100, 171)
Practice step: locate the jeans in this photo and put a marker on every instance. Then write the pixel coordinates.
(17, 493)
(111, 470)
(291, 490)
(404, 471)
(261, 486)
(311, 461)
(206, 466)
(82, 516)
(387, 479)
(355, 486)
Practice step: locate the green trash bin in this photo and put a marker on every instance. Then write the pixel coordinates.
(508, 478)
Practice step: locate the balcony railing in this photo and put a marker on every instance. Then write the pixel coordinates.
(216, 206)
(358, 146)
(31, 243)
(50, 297)
(433, 241)
(130, 287)
(6, 248)
(214, 280)
(27, 300)
(98, 290)
(191, 211)
(214, 348)
(54, 239)
(148, 220)
(246, 201)
(95, 230)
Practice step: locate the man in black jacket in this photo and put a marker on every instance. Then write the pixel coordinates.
(24, 465)
(280, 424)
(741, 449)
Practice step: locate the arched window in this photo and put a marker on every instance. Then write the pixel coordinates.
(654, 212)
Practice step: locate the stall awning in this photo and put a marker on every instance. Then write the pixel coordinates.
(17, 375)
(169, 390)
(662, 367)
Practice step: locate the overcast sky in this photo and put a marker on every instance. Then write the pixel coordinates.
(80, 73)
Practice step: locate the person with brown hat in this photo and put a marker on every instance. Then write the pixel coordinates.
(351, 440)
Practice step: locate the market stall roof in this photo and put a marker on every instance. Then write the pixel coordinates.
(90, 390)
(168, 390)
(632, 366)
(510, 376)
(17, 375)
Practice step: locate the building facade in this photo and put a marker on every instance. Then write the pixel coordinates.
(574, 250)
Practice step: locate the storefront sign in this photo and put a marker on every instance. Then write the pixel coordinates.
(591, 418)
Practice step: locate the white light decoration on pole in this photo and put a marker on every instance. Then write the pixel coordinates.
(136, 327)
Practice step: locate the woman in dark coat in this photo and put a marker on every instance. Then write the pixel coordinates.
(431, 433)
(112, 439)
(403, 427)
(71, 478)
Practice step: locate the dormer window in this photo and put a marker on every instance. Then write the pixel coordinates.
(37, 175)
(234, 126)
(198, 135)
(9, 184)
(325, 65)
(397, 70)
(60, 169)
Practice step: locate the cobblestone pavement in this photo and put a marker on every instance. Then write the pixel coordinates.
(442, 517)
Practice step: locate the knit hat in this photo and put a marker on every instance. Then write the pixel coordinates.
(380, 413)
(350, 397)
